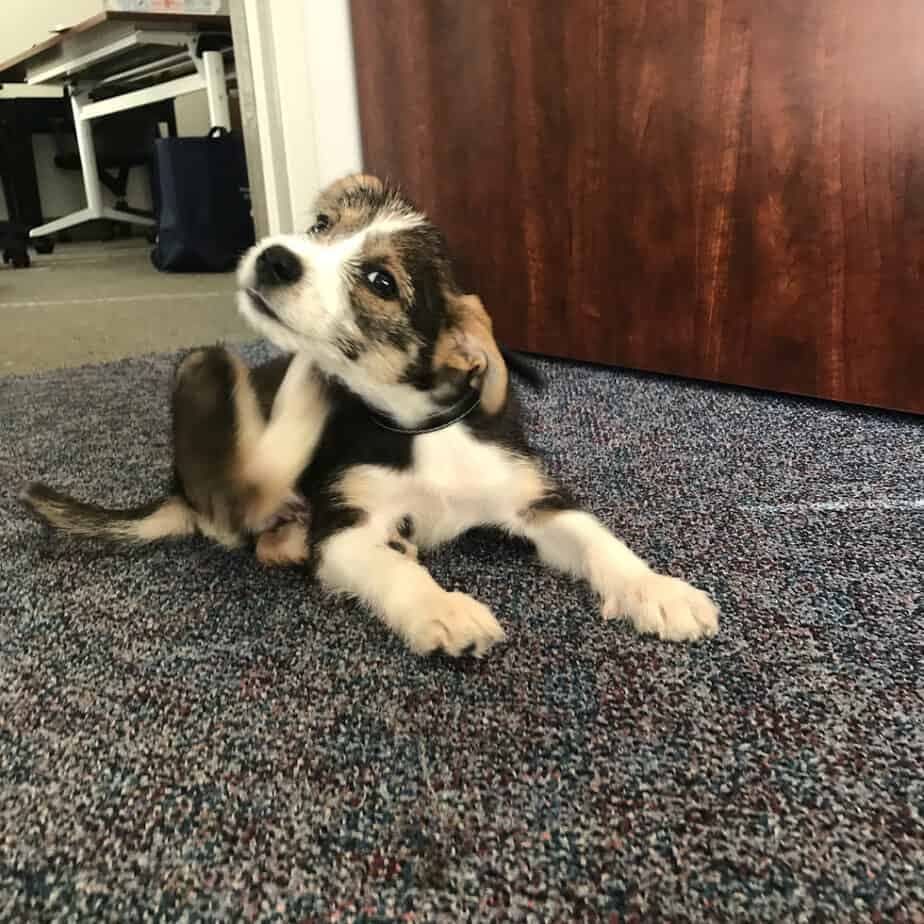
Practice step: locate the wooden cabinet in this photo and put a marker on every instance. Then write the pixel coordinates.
(731, 190)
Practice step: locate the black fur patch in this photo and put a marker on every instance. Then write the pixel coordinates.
(351, 349)
(559, 498)
(266, 380)
(380, 327)
(350, 437)
(504, 428)
(521, 366)
(426, 262)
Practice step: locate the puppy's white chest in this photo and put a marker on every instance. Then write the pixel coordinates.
(460, 468)
(455, 482)
(459, 482)
(454, 464)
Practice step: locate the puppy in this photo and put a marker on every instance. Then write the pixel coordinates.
(392, 426)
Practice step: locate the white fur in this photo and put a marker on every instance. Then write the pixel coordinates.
(408, 406)
(173, 518)
(577, 543)
(296, 423)
(404, 594)
(457, 482)
(315, 308)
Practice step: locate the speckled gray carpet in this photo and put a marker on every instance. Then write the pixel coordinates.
(183, 733)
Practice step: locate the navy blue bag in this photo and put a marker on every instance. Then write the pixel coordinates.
(204, 220)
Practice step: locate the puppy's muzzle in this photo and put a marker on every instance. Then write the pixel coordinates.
(278, 266)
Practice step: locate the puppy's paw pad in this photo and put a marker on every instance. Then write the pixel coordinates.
(457, 624)
(658, 604)
(402, 546)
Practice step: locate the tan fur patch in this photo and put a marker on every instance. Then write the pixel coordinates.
(468, 345)
(285, 545)
(219, 531)
(190, 362)
(533, 482)
(345, 204)
(350, 184)
(387, 364)
(539, 516)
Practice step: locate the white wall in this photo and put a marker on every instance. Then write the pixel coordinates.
(304, 89)
(27, 22)
(24, 23)
(332, 78)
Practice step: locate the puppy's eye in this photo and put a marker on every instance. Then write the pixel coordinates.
(381, 282)
(321, 223)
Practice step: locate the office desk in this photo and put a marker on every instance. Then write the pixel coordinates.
(121, 60)
(24, 112)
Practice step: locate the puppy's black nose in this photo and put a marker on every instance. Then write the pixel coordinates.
(277, 265)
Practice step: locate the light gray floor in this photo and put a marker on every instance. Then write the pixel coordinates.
(93, 302)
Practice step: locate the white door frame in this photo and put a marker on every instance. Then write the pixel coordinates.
(298, 103)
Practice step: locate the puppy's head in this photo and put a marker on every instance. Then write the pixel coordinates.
(368, 293)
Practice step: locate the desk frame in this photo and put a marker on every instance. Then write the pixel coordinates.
(209, 76)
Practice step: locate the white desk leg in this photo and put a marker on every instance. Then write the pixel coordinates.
(87, 150)
(91, 183)
(216, 89)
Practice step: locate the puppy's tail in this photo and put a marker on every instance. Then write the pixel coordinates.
(162, 519)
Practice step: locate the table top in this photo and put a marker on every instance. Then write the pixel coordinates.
(13, 70)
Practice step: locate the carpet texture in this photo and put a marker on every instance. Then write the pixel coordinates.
(185, 736)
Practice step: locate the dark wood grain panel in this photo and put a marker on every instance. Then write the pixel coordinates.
(725, 189)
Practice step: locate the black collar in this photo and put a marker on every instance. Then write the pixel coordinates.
(453, 414)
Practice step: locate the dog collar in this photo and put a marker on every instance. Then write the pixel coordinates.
(447, 418)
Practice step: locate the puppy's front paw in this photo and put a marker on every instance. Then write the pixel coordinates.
(455, 623)
(664, 606)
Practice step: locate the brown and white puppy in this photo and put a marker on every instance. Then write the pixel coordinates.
(394, 422)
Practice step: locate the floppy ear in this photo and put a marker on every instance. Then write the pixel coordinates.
(467, 353)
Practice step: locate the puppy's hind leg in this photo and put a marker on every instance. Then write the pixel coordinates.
(577, 543)
(214, 411)
(239, 465)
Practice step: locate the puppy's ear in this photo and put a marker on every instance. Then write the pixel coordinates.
(467, 354)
